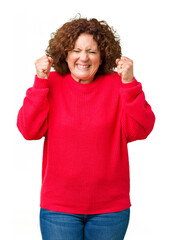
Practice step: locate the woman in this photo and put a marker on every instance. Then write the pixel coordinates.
(88, 113)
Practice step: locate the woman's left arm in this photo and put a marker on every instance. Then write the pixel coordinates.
(137, 116)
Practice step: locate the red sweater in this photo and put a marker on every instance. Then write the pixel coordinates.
(86, 128)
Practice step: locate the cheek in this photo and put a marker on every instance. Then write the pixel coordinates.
(70, 62)
(70, 59)
(96, 61)
(73, 60)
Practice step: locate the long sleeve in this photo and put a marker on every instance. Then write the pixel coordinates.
(32, 116)
(138, 118)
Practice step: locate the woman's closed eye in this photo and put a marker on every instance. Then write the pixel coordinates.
(92, 52)
(76, 50)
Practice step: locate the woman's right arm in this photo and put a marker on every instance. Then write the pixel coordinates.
(32, 116)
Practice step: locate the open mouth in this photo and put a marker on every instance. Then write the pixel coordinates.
(83, 67)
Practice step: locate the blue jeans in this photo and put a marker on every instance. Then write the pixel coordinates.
(67, 226)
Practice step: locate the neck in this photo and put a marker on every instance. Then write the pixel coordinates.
(84, 81)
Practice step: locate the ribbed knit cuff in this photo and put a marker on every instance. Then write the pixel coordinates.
(130, 84)
(40, 82)
(130, 91)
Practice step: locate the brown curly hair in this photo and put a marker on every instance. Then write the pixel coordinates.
(63, 40)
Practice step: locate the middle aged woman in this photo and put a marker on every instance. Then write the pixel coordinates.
(88, 113)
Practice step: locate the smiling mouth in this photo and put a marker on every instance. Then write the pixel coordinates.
(83, 67)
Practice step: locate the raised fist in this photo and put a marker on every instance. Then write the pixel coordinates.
(43, 66)
(125, 69)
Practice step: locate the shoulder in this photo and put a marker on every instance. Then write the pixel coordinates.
(54, 74)
(54, 77)
(112, 78)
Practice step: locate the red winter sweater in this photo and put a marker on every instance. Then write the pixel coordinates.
(86, 128)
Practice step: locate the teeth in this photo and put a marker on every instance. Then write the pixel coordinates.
(83, 66)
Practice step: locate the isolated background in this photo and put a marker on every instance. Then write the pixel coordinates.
(145, 31)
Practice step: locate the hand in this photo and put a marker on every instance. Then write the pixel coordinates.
(125, 69)
(43, 66)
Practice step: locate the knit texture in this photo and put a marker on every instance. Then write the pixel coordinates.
(86, 129)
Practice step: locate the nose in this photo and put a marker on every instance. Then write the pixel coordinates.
(84, 56)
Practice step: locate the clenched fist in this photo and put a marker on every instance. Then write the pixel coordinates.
(43, 66)
(125, 69)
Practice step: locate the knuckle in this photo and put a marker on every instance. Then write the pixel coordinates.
(128, 67)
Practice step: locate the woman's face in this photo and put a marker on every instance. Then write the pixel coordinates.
(84, 60)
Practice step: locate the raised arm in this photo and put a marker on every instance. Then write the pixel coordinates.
(138, 118)
(32, 119)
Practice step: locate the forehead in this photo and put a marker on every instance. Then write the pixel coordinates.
(85, 40)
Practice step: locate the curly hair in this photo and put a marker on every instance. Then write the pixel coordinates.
(63, 40)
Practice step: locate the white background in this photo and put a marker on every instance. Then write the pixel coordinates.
(145, 31)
